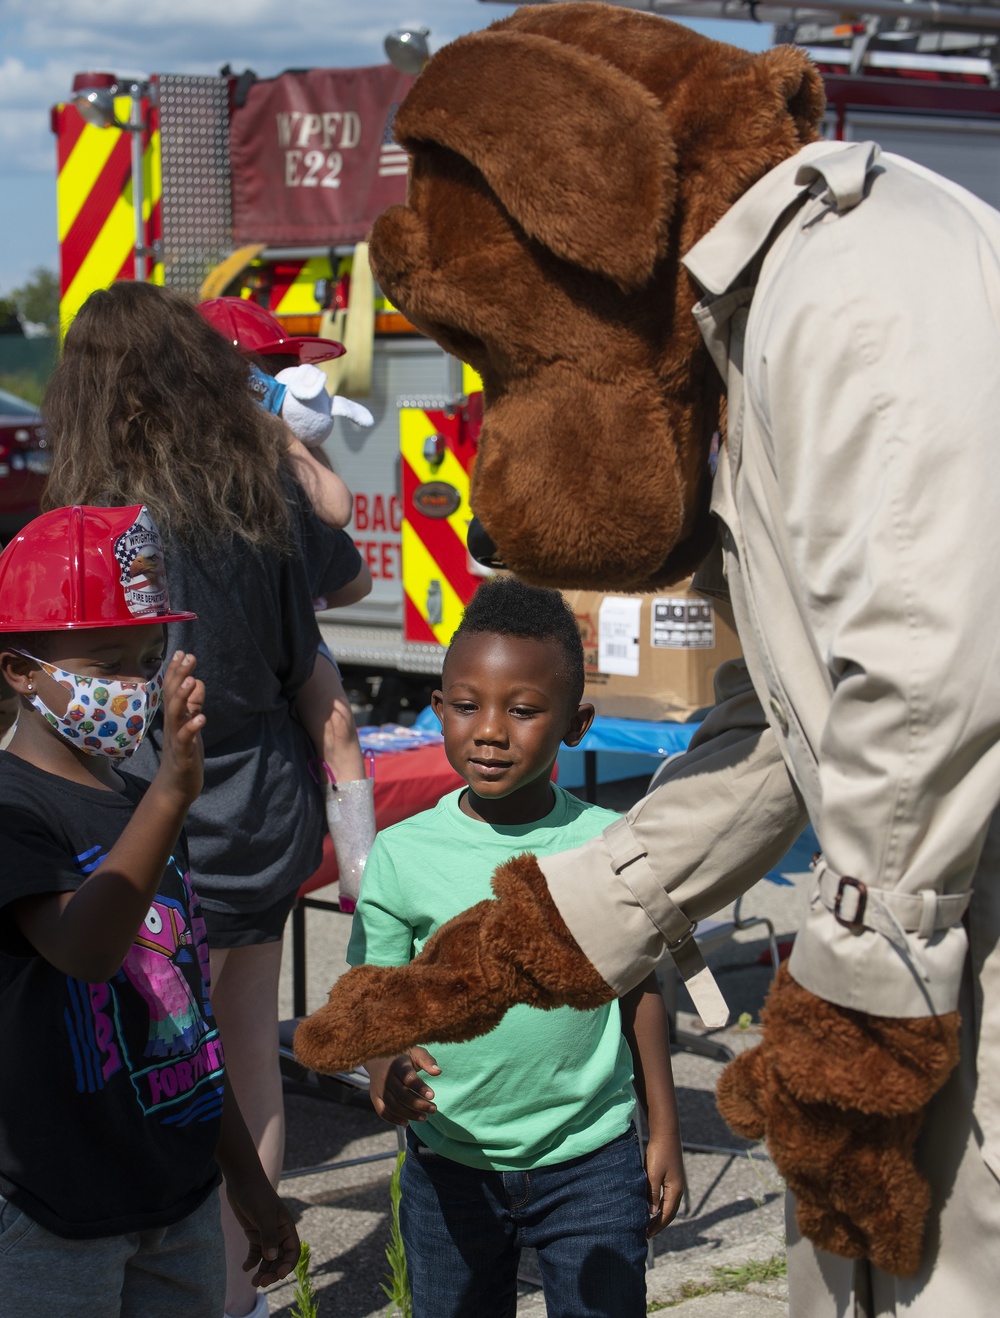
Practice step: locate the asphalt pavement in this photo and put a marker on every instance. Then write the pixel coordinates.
(721, 1258)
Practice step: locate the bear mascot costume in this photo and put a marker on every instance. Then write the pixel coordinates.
(637, 237)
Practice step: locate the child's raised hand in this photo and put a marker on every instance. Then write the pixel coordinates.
(664, 1180)
(183, 758)
(397, 1092)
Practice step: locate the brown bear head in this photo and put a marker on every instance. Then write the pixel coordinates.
(562, 162)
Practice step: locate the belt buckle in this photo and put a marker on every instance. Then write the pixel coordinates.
(855, 921)
(684, 938)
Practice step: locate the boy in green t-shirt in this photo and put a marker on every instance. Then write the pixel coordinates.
(526, 1137)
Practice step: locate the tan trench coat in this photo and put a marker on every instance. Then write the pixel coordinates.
(852, 304)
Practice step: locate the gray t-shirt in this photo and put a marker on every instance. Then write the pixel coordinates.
(255, 833)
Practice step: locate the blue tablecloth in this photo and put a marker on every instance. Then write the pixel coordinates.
(797, 861)
(638, 736)
(625, 748)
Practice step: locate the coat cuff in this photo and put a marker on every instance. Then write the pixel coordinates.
(901, 955)
(663, 925)
(590, 896)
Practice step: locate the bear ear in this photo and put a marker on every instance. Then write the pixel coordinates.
(577, 152)
(795, 79)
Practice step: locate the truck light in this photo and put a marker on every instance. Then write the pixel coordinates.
(393, 322)
(301, 323)
(407, 48)
(94, 96)
(434, 446)
(435, 603)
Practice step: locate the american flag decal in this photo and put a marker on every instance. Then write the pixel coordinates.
(125, 554)
(392, 158)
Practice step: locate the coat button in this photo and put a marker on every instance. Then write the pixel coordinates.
(778, 710)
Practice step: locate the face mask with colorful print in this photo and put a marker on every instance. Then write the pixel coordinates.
(104, 716)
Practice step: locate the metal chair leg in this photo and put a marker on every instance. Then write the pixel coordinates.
(590, 776)
(298, 959)
(772, 938)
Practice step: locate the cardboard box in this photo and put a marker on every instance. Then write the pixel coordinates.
(653, 656)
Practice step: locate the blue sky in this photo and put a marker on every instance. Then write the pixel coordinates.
(44, 42)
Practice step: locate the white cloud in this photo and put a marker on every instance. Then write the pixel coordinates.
(46, 46)
(26, 142)
(46, 41)
(266, 31)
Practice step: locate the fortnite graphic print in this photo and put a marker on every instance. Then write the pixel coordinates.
(176, 1072)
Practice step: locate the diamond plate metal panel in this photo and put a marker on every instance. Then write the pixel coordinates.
(380, 647)
(197, 194)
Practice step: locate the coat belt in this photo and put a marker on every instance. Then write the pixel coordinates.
(893, 914)
(630, 862)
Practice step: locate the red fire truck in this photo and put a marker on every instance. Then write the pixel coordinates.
(263, 188)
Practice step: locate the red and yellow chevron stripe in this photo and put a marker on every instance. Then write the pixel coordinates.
(437, 578)
(96, 222)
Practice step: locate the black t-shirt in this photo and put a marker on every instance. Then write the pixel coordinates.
(110, 1094)
(255, 833)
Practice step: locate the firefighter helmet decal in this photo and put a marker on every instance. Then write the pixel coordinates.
(140, 555)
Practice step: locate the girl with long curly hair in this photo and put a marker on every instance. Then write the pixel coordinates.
(149, 404)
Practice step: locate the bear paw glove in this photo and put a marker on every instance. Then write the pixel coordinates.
(492, 956)
(840, 1097)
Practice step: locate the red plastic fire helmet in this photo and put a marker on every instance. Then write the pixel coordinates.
(253, 330)
(85, 567)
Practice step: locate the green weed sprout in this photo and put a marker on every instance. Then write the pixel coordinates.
(397, 1288)
(306, 1300)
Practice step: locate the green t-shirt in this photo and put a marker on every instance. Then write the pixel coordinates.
(544, 1086)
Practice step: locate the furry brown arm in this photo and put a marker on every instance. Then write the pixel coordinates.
(475, 967)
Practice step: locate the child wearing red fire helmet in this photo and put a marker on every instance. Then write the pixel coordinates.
(115, 1111)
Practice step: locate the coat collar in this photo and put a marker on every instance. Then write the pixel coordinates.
(835, 172)
(839, 169)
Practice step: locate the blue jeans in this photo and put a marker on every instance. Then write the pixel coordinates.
(464, 1229)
